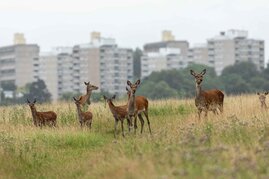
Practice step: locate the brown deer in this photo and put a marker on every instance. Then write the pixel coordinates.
(137, 105)
(85, 118)
(42, 118)
(262, 98)
(86, 98)
(210, 100)
(119, 113)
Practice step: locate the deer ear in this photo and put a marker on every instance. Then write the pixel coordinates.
(129, 83)
(74, 99)
(34, 101)
(192, 73)
(203, 72)
(28, 101)
(258, 93)
(114, 96)
(266, 93)
(127, 89)
(137, 82)
(86, 83)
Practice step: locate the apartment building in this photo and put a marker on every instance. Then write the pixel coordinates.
(165, 59)
(198, 54)
(116, 67)
(19, 63)
(232, 47)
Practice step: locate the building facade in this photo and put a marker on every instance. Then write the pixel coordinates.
(19, 64)
(232, 47)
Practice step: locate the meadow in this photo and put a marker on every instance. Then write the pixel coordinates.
(232, 145)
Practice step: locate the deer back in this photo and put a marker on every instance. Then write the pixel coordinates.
(210, 97)
(141, 103)
(118, 111)
(47, 116)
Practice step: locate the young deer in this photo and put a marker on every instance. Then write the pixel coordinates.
(119, 113)
(86, 98)
(210, 100)
(137, 105)
(85, 118)
(262, 98)
(42, 118)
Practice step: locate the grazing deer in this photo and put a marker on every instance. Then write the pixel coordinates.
(262, 98)
(210, 100)
(137, 105)
(85, 118)
(42, 118)
(119, 113)
(86, 98)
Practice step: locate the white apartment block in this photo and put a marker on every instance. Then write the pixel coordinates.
(116, 67)
(48, 72)
(19, 64)
(101, 62)
(165, 59)
(232, 47)
(199, 54)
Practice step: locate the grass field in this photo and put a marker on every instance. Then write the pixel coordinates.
(232, 145)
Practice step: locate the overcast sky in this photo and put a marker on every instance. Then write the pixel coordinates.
(132, 23)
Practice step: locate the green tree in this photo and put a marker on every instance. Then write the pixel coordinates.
(158, 90)
(137, 63)
(38, 90)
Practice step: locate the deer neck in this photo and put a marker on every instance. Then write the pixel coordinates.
(112, 107)
(79, 113)
(131, 104)
(34, 114)
(198, 90)
(88, 96)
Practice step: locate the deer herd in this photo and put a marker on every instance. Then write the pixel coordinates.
(205, 101)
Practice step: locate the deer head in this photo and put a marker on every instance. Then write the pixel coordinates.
(31, 104)
(198, 77)
(134, 86)
(262, 98)
(90, 87)
(109, 99)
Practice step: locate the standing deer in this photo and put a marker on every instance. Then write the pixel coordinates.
(86, 98)
(42, 118)
(262, 98)
(119, 113)
(210, 100)
(137, 105)
(85, 118)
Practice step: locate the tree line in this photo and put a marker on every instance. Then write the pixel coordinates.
(237, 79)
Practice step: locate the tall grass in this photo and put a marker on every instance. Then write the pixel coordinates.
(234, 144)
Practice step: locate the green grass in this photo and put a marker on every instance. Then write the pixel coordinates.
(232, 145)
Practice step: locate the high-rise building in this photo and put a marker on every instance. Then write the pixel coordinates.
(116, 67)
(19, 64)
(198, 54)
(232, 47)
(165, 59)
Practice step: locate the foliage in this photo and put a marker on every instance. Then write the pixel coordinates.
(237, 79)
(38, 90)
(137, 62)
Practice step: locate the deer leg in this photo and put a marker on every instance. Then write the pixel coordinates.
(135, 124)
(122, 129)
(199, 113)
(129, 124)
(147, 117)
(115, 127)
(142, 122)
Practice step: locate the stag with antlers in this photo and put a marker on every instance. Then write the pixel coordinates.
(137, 105)
(42, 118)
(210, 100)
(85, 118)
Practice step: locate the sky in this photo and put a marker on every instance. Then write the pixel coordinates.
(132, 23)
